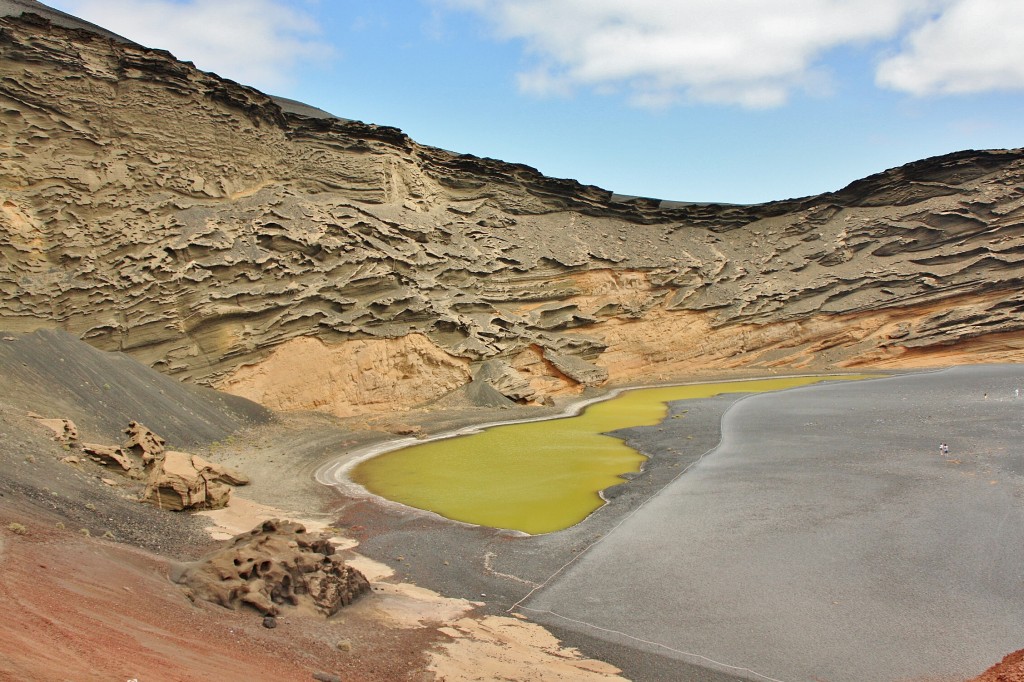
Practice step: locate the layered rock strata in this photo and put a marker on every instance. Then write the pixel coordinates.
(313, 262)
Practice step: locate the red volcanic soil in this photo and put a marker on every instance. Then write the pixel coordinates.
(1010, 669)
(86, 609)
(89, 608)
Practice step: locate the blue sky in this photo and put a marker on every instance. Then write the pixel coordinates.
(694, 100)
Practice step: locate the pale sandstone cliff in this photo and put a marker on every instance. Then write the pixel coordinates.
(310, 262)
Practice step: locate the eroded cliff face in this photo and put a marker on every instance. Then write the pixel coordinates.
(320, 263)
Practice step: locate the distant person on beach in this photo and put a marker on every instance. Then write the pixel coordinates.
(1016, 393)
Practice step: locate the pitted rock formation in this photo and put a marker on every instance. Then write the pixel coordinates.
(143, 443)
(311, 262)
(275, 564)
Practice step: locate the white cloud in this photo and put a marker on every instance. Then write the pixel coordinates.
(974, 46)
(255, 42)
(754, 53)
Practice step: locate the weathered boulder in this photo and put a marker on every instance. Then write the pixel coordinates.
(64, 430)
(144, 443)
(504, 378)
(219, 472)
(177, 483)
(109, 454)
(275, 564)
(403, 429)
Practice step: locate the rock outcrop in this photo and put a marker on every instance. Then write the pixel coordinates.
(178, 481)
(313, 262)
(111, 454)
(175, 480)
(277, 563)
(143, 443)
(64, 431)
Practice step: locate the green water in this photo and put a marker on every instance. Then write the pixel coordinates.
(536, 477)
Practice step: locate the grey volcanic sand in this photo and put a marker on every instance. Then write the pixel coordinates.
(499, 568)
(825, 538)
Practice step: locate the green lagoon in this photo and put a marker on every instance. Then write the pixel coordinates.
(536, 477)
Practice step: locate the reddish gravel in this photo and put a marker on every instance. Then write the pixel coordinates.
(1010, 669)
(85, 609)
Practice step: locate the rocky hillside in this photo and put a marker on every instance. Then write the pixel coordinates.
(312, 262)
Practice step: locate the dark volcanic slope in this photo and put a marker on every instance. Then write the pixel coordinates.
(193, 223)
(57, 376)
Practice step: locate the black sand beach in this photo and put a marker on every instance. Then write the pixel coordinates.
(824, 537)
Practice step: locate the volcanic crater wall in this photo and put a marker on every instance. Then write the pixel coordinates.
(189, 221)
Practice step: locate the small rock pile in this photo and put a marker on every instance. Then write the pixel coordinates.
(174, 480)
(274, 564)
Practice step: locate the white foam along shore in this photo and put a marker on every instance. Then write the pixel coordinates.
(335, 473)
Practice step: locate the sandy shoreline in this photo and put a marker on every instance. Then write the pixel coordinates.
(335, 472)
(501, 568)
(497, 571)
(472, 647)
(489, 570)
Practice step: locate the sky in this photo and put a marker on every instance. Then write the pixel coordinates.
(735, 101)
